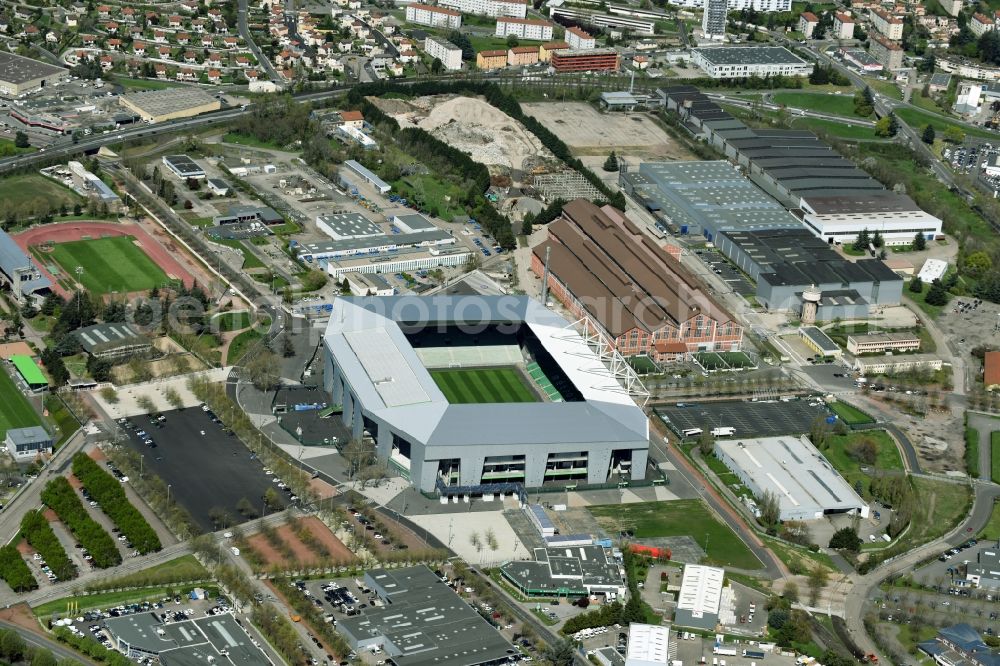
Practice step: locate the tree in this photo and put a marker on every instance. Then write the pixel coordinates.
(611, 164)
(173, 397)
(770, 510)
(883, 126)
(917, 285)
(21, 140)
(816, 581)
(846, 538)
(271, 499)
(877, 239)
(791, 592)
(893, 124)
(706, 443)
(559, 653)
(977, 264)
(819, 432)
(862, 241)
(12, 646)
(512, 41)
(437, 66)
(928, 135)
(358, 454)
(865, 450)
(245, 508)
(264, 371)
(146, 404)
(954, 134)
(937, 295)
(919, 242)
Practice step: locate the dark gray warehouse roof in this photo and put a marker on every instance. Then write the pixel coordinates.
(18, 69)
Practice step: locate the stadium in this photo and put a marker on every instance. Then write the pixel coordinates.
(483, 394)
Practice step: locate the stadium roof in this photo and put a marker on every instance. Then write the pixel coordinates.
(805, 484)
(29, 371)
(13, 260)
(386, 375)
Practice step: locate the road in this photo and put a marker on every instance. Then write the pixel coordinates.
(35, 640)
(244, 29)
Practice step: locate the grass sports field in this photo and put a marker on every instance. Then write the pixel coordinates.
(849, 414)
(724, 360)
(679, 518)
(482, 385)
(15, 412)
(108, 264)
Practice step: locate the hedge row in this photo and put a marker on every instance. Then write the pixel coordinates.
(37, 532)
(90, 647)
(15, 571)
(108, 492)
(61, 498)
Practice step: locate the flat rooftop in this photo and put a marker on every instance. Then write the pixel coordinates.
(18, 69)
(189, 642)
(882, 201)
(425, 623)
(350, 225)
(565, 570)
(820, 339)
(701, 590)
(172, 100)
(749, 55)
(183, 163)
(795, 471)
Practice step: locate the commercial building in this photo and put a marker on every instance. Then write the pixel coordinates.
(878, 343)
(700, 597)
(888, 25)
(411, 223)
(737, 62)
(364, 284)
(28, 443)
(437, 17)
(113, 341)
(586, 60)
(354, 169)
(19, 273)
(379, 357)
(449, 54)
(886, 52)
(89, 185)
(157, 106)
(807, 24)
(638, 25)
(889, 364)
(819, 342)
(218, 187)
(602, 267)
(648, 645)
(248, 214)
(862, 60)
(567, 572)
(787, 262)
(495, 8)
(29, 372)
(530, 29)
(206, 640)
(341, 226)
(960, 645)
(578, 39)
(841, 217)
(991, 370)
(19, 75)
(713, 19)
(939, 82)
(423, 622)
(794, 471)
(985, 573)
(519, 56)
(402, 256)
(933, 269)
(183, 166)
(491, 59)
(843, 26)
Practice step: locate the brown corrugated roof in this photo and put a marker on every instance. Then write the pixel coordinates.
(670, 347)
(991, 369)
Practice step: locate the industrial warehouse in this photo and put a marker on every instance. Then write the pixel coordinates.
(806, 485)
(567, 572)
(630, 290)
(469, 395)
(157, 106)
(19, 75)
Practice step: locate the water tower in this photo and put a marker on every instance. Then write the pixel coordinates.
(810, 304)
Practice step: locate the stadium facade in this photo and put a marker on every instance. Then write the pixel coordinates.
(383, 356)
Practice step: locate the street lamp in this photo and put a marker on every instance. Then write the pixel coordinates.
(168, 494)
(142, 458)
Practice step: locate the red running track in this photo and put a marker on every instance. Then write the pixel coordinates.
(65, 232)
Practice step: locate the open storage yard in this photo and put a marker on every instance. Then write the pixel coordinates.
(587, 131)
(206, 468)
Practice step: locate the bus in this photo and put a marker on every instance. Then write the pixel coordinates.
(723, 431)
(691, 432)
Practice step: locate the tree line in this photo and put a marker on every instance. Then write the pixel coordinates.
(14, 650)
(38, 533)
(59, 496)
(15, 571)
(108, 492)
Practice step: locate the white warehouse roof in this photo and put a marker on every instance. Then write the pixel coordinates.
(701, 590)
(804, 482)
(933, 269)
(647, 645)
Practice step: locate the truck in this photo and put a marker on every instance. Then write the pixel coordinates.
(753, 654)
(724, 651)
(234, 550)
(723, 431)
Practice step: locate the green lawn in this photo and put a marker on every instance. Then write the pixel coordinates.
(108, 264)
(7, 148)
(184, 568)
(435, 194)
(108, 599)
(16, 411)
(926, 103)
(842, 129)
(17, 190)
(240, 344)
(995, 456)
(143, 84)
(851, 415)
(490, 43)
(244, 140)
(992, 529)
(680, 518)
(482, 385)
(233, 321)
(838, 105)
(917, 119)
(887, 88)
(972, 452)
(250, 259)
(838, 453)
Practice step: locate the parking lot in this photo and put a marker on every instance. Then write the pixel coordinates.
(750, 419)
(205, 467)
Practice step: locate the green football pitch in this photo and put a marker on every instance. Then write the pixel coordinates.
(104, 265)
(482, 385)
(15, 412)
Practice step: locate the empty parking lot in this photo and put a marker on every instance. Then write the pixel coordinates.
(751, 419)
(205, 467)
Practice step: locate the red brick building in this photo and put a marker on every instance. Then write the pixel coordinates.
(585, 60)
(602, 265)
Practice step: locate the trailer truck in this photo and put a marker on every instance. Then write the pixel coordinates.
(753, 654)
